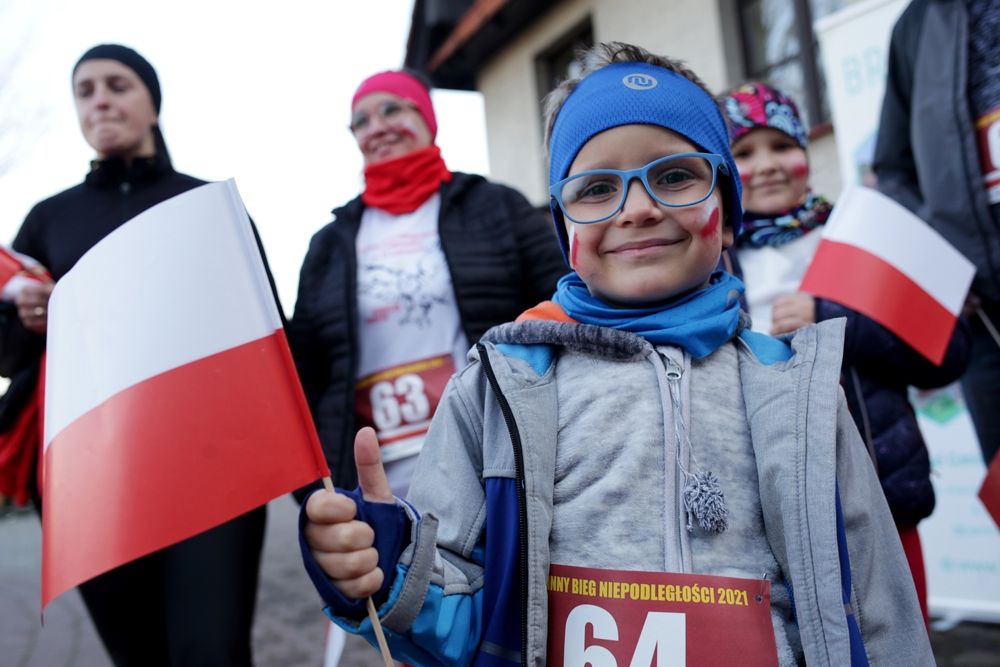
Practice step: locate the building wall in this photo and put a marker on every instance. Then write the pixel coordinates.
(700, 33)
(513, 115)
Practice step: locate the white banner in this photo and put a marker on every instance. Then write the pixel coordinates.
(960, 541)
(854, 44)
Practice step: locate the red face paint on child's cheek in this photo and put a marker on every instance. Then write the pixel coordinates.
(800, 169)
(711, 227)
(745, 177)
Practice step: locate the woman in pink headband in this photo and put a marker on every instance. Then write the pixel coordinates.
(407, 277)
(393, 121)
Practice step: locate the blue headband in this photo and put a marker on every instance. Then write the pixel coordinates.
(642, 94)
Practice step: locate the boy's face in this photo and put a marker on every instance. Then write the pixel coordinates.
(647, 252)
(774, 170)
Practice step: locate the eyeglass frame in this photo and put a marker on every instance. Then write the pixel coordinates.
(628, 175)
(403, 106)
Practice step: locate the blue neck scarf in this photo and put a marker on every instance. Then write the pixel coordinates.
(699, 321)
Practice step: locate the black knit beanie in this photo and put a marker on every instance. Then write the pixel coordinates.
(130, 59)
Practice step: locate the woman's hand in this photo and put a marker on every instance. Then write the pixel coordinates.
(33, 305)
(791, 312)
(342, 545)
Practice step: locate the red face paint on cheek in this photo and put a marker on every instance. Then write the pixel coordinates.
(711, 227)
(799, 169)
(745, 177)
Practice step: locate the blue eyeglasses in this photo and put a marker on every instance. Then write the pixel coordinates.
(682, 179)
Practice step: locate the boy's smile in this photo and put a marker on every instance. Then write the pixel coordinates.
(647, 252)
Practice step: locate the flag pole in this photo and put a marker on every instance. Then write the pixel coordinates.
(372, 614)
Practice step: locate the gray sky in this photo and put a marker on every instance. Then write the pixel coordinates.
(258, 91)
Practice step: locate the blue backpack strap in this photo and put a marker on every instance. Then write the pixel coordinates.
(858, 656)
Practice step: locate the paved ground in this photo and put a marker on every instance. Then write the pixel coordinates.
(289, 630)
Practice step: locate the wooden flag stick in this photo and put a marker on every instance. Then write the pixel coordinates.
(372, 614)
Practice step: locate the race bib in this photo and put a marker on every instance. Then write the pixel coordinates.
(618, 618)
(988, 137)
(400, 401)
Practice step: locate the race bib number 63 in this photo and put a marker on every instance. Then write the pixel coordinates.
(619, 618)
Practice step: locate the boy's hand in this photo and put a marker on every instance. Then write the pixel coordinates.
(791, 312)
(342, 545)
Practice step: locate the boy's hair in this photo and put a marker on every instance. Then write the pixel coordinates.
(601, 55)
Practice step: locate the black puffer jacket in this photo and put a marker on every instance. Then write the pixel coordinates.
(503, 258)
(878, 369)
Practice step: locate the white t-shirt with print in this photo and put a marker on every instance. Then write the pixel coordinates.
(410, 334)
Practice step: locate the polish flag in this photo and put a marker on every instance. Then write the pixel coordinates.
(879, 259)
(16, 271)
(171, 401)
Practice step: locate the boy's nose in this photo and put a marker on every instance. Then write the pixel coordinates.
(639, 207)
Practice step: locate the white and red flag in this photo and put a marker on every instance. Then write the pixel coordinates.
(16, 271)
(171, 401)
(879, 259)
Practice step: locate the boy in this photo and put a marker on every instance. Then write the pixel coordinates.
(613, 447)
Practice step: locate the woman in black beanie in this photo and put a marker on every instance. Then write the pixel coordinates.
(192, 603)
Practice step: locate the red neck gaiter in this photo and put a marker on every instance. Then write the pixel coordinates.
(402, 184)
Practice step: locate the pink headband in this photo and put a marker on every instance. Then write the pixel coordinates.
(402, 85)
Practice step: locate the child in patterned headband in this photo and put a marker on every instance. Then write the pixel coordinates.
(773, 251)
(769, 146)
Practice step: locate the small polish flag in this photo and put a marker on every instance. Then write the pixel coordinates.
(171, 401)
(16, 271)
(879, 259)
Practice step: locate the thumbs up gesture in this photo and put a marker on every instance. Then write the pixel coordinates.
(342, 544)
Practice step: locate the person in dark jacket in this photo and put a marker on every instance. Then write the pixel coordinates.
(781, 221)
(192, 603)
(406, 278)
(937, 154)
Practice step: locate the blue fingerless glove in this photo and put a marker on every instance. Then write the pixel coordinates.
(392, 536)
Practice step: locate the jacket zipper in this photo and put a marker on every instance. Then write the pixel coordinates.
(673, 372)
(522, 498)
(347, 463)
(124, 189)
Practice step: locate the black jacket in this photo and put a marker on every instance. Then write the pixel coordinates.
(59, 230)
(503, 258)
(926, 155)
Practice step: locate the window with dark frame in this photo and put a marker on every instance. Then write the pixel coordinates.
(773, 33)
(559, 62)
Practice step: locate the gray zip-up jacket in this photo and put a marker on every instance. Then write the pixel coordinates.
(603, 424)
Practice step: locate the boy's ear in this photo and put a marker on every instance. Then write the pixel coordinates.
(727, 235)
